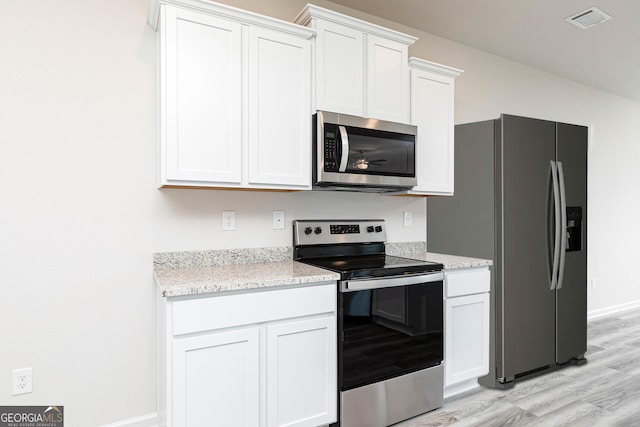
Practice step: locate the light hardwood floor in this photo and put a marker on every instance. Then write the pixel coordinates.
(603, 392)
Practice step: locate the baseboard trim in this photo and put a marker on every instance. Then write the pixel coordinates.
(601, 312)
(148, 420)
(461, 387)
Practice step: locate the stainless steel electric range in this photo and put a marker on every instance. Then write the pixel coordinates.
(390, 321)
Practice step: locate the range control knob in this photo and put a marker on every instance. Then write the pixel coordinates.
(308, 230)
(318, 230)
(378, 228)
(370, 229)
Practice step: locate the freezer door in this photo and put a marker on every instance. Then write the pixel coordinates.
(572, 293)
(526, 306)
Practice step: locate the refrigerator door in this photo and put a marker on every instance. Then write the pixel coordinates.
(526, 306)
(572, 292)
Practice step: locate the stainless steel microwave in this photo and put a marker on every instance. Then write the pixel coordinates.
(357, 154)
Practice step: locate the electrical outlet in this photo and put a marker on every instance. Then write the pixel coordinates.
(22, 381)
(278, 220)
(593, 284)
(228, 220)
(408, 219)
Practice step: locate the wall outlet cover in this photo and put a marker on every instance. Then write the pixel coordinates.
(408, 219)
(278, 220)
(228, 220)
(22, 381)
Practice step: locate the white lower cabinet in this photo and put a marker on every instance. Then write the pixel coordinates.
(466, 326)
(216, 379)
(301, 373)
(256, 359)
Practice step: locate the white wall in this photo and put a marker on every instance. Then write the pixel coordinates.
(77, 130)
(80, 216)
(191, 219)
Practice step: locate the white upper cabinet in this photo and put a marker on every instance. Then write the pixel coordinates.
(200, 97)
(339, 88)
(234, 98)
(360, 68)
(279, 109)
(387, 80)
(432, 98)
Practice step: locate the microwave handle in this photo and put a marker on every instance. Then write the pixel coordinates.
(344, 138)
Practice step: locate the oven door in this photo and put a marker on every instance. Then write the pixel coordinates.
(389, 327)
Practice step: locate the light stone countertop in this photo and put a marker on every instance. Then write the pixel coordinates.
(450, 262)
(224, 270)
(199, 272)
(222, 278)
(418, 250)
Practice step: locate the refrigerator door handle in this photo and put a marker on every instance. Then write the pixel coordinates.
(563, 225)
(556, 245)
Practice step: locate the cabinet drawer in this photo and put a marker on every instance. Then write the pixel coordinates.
(224, 311)
(466, 282)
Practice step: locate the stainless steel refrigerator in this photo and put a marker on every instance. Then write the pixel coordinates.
(521, 200)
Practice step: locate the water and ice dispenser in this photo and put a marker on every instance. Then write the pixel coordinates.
(574, 228)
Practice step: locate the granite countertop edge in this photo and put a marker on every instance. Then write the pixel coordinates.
(186, 281)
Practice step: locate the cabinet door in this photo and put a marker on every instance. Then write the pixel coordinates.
(200, 90)
(280, 109)
(432, 97)
(466, 338)
(339, 69)
(301, 373)
(216, 379)
(387, 80)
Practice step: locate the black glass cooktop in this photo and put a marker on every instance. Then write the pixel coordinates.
(373, 266)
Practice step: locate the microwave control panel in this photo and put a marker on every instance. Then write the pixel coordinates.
(330, 148)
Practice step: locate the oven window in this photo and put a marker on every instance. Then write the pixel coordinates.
(390, 332)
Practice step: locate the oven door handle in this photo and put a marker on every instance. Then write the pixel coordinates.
(388, 282)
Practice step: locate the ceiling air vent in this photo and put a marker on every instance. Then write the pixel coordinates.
(588, 18)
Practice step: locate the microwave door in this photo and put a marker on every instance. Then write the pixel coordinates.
(391, 155)
(360, 153)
